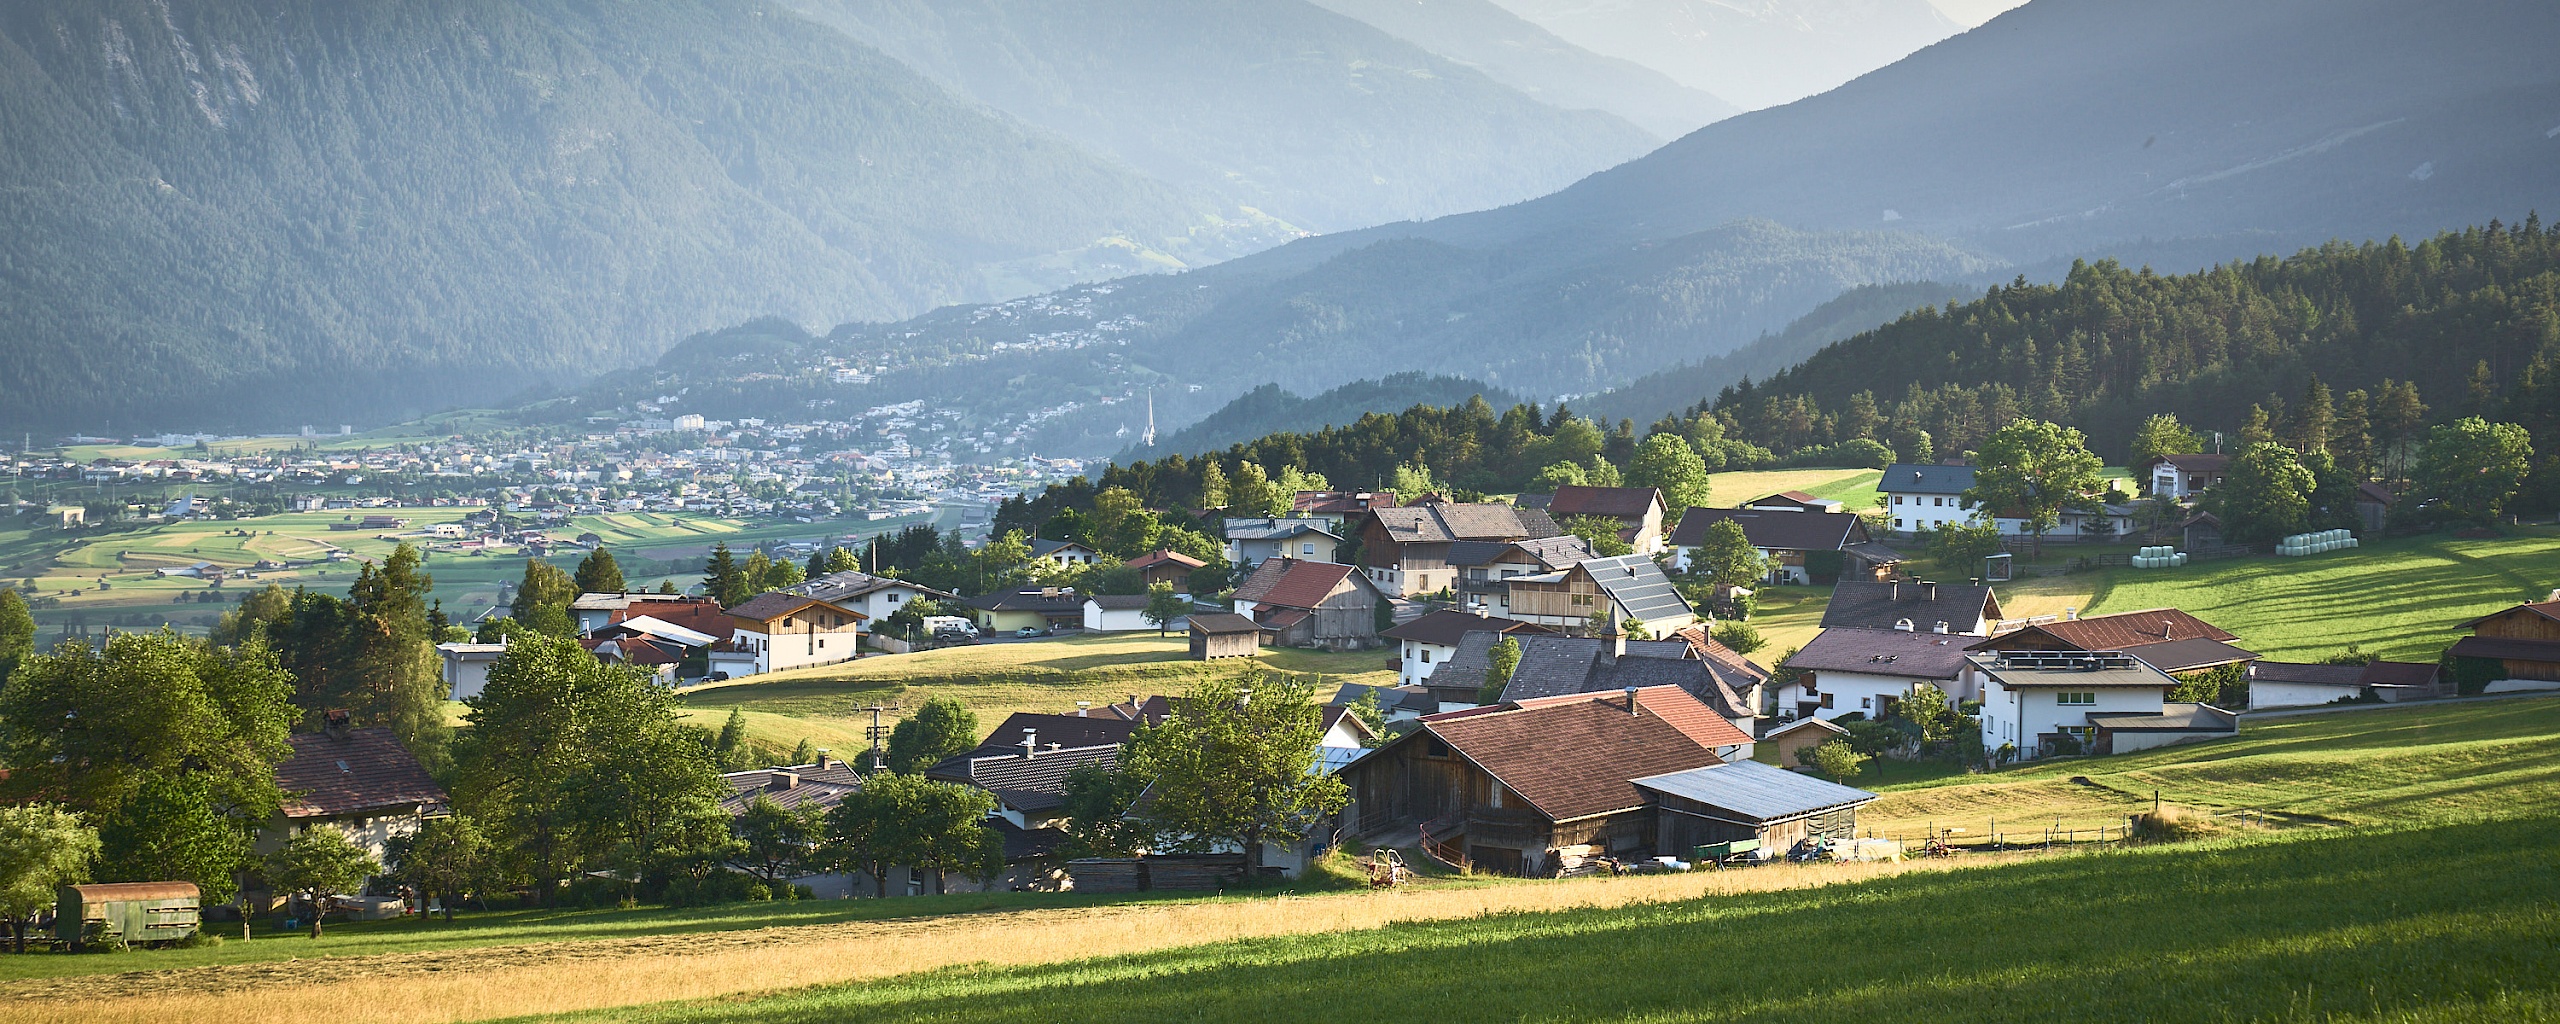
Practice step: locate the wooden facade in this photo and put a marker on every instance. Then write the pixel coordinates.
(1683, 825)
(1425, 782)
(1574, 597)
(2525, 622)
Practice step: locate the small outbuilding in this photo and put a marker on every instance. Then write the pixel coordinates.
(1746, 801)
(1785, 741)
(1217, 635)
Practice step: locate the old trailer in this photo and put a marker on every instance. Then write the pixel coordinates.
(133, 913)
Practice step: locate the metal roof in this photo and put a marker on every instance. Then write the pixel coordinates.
(1639, 586)
(1906, 478)
(1760, 792)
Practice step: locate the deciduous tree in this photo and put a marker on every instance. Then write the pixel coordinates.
(1163, 607)
(939, 729)
(317, 863)
(1665, 461)
(1231, 766)
(1500, 661)
(2471, 467)
(42, 847)
(2265, 493)
(1725, 557)
(2034, 468)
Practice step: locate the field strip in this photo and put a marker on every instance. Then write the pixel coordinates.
(557, 977)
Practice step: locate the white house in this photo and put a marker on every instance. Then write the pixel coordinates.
(876, 596)
(1920, 497)
(2182, 477)
(1305, 538)
(1065, 554)
(466, 667)
(1426, 643)
(1866, 672)
(1120, 613)
(783, 630)
(2036, 703)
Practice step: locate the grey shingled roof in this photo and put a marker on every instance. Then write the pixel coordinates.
(1906, 478)
(1760, 792)
(1275, 529)
(1036, 783)
(837, 586)
(1555, 665)
(1864, 604)
(1441, 523)
(1775, 530)
(1639, 586)
(1884, 652)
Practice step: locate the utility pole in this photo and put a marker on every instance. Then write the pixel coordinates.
(878, 733)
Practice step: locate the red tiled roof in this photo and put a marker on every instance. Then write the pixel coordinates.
(2110, 632)
(1685, 713)
(770, 606)
(701, 614)
(1160, 556)
(1290, 583)
(1617, 502)
(1576, 759)
(364, 770)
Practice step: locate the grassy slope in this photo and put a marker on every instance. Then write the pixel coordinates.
(2446, 924)
(509, 927)
(2397, 598)
(994, 679)
(2415, 765)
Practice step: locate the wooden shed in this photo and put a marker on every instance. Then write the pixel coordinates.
(132, 912)
(1747, 801)
(1217, 635)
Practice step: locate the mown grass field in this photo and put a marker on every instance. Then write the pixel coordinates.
(2453, 923)
(2399, 598)
(995, 679)
(2410, 765)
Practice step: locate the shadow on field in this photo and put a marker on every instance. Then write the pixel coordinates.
(2421, 922)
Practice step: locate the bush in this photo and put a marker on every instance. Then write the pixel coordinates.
(1825, 566)
(2170, 823)
(1739, 637)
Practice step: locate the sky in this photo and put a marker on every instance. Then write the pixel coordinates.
(1970, 13)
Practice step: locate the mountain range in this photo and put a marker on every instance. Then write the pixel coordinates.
(234, 214)
(1758, 53)
(2174, 133)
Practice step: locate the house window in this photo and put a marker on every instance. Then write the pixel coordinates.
(1897, 524)
(1435, 747)
(1866, 703)
(1307, 548)
(786, 622)
(1826, 700)
(1426, 656)
(1937, 501)
(2082, 698)
(893, 599)
(1897, 499)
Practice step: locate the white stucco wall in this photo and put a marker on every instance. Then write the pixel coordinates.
(2019, 717)
(1419, 660)
(2263, 694)
(1853, 692)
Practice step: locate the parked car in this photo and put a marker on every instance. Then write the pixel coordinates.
(1030, 631)
(954, 636)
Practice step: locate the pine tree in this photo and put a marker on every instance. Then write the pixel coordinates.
(721, 579)
(598, 573)
(1213, 485)
(2313, 426)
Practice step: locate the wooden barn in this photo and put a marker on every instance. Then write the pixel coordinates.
(1748, 802)
(1312, 604)
(1535, 790)
(2520, 645)
(1217, 635)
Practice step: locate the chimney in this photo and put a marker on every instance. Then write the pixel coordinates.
(1633, 708)
(2070, 614)
(1613, 644)
(334, 723)
(782, 778)
(1928, 590)
(824, 762)
(2164, 629)
(1030, 743)
(1083, 706)
(1897, 589)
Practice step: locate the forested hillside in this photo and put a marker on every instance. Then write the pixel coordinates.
(2470, 318)
(2353, 351)
(1278, 105)
(218, 210)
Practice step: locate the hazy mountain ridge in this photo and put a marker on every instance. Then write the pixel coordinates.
(1279, 105)
(1757, 53)
(1482, 35)
(214, 203)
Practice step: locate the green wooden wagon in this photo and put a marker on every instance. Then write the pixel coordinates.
(133, 913)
